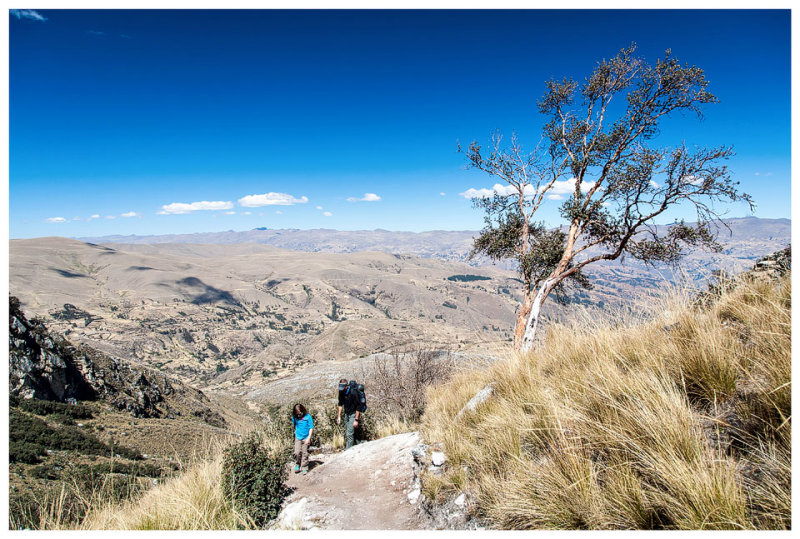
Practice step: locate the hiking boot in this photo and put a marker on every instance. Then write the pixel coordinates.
(296, 468)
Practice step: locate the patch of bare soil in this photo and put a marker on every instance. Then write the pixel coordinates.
(364, 488)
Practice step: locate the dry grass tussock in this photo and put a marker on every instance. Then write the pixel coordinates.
(191, 500)
(679, 424)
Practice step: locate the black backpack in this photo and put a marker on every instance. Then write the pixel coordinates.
(358, 390)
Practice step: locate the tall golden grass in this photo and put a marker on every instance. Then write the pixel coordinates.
(682, 424)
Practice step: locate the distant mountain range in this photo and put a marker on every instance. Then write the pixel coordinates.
(749, 238)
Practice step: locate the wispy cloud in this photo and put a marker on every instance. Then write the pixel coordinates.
(368, 197)
(763, 174)
(247, 213)
(130, 214)
(95, 216)
(271, 199)
(442, 194)
(229, 212)
(56, 220)
(556, 192)
(28, 14)
(319, 207)
(327, 214)
(182, 207)
(278, 212)
(96, 33)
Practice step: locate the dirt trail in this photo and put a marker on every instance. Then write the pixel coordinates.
(365, 487)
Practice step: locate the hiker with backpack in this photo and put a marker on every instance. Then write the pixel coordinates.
(353, 402)
(303, 429)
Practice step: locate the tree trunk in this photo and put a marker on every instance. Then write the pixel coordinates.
(533, 316)
(522, 320)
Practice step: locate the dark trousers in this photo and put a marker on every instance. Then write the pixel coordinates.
(350, 434)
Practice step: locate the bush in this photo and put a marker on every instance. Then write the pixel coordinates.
(253, 479)
(399, 384)
(25, 452)
(40, 407)
(30, 435)
(468, 277)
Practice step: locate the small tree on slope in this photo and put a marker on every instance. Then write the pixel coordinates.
(613, 183)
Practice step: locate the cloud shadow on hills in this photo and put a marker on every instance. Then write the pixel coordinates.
(69, 274)
(140, 268)
(199, 293)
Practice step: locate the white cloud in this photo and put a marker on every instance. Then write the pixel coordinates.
(229, 212)
(763, 173)
(442, 194)
(28, 14)
(110, 217)
(555, 197)
(56, 220)
(691, 179)
(271, 199)
(327, 214)
(563, 187)
(319, 207)
(278, 212)
(182, 207)
(247, 213)
(76, 218)
(95, 216)
(368, 197)
(654, 184)
(130, 214)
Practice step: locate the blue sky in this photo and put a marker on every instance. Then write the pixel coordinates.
(155, 122)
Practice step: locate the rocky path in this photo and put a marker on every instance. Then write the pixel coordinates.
(370, 486)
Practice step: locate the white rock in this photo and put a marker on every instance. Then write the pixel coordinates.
(461, 500)
(291, 517)
(413, 496)
(438, 458)
(479, 398)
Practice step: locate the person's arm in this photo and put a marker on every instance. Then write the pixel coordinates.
(339, 415)
(358, 414)
(311, 430)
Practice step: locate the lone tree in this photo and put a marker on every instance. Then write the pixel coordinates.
(594, 155)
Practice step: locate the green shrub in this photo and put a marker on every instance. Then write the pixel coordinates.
(40, 407)
(25, 452)
(468, 277)
(30, 435)
(253, 479)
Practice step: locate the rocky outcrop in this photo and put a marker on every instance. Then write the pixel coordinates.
(42, 366)
(48, 367)
(454, 511)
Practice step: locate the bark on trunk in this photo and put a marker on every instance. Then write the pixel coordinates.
(533, 316)
(522, 320)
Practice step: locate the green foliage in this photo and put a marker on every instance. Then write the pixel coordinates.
(253, 479)
(40, 407)
(502, 238)
(468, 278)
(30, 437)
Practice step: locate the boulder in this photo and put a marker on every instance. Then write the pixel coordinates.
(479, 398)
